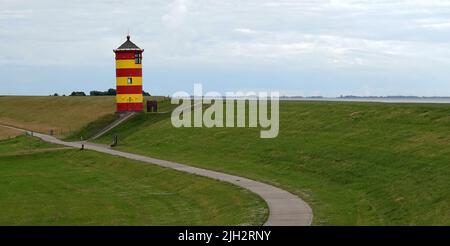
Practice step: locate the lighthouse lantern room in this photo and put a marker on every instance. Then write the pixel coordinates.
(129, 77)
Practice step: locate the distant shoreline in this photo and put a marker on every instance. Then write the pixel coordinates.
(372, 99)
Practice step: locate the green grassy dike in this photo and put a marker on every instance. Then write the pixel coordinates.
(45, 184)
(355, 163)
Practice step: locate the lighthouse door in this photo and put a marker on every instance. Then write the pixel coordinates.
(129, 107)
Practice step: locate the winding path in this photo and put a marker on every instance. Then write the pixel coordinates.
(285, 209)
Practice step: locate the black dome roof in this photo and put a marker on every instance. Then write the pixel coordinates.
(128, 45)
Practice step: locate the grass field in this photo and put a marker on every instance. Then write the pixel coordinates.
(355, 163)
(44, 184)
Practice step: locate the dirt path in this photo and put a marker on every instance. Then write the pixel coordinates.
(285, 209)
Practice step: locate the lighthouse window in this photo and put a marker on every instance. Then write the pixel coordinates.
(130, 81)
(137, 58)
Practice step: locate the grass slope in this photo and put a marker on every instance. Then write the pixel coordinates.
(8, 133)
(100, 123)
(63, 115)
(42, 184)
(91, 128)
(68, 117)
(355, 163)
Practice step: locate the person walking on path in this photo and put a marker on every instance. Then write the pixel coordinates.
(82, 143)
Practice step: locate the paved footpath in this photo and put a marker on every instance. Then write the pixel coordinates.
(285, 209)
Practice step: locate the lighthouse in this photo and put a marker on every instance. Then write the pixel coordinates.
(129, 77)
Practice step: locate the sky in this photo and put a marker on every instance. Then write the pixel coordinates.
(303, 48)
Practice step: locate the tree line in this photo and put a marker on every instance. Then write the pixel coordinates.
(109, 92)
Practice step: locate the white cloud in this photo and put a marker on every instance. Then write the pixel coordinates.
(437, 24)
(176, 16)
(353, 36)
(245, 30)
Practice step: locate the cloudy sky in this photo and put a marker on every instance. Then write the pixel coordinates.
(298, 47)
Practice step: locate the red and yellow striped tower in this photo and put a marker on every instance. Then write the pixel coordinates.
(129, 77)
